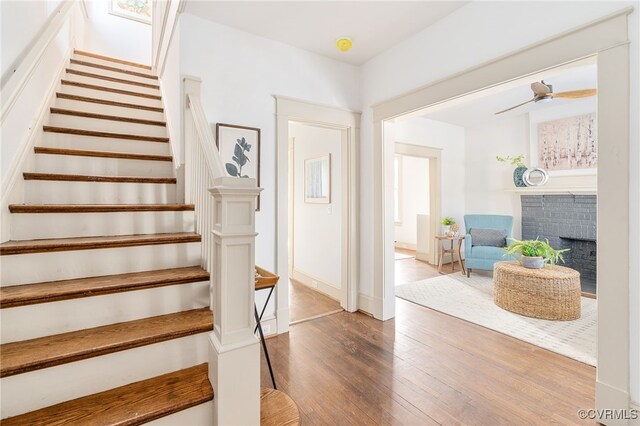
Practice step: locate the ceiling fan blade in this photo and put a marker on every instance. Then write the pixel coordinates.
(576, 94)
(540, 89)
(514, 107)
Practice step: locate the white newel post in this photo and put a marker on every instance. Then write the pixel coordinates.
(234, 367)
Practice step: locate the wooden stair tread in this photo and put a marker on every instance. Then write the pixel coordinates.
(101, 154)
(115, 69)
(97, 208)
(83, 132)
(110, 89)
(133, 404)
(107, 117)
(88, 243)
(109, 58)
(113, 79)
(53, 291)
(277, 409)
(43, 352)
(107, 102)
(88, 178)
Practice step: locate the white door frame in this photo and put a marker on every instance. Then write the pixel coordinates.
(288, 110)
(434, 155)
(607, 39)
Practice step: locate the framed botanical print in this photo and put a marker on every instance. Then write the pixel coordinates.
(317, 180)
(138, 10)
(239, 148)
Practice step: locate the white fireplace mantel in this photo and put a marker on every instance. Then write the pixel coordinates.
(545, 190)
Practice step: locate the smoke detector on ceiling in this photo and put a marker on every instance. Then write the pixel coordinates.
(344, 43)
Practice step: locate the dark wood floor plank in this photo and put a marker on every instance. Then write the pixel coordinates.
(34, 354)
(106, 102)
(100, 154)
(85, 114)
(133, 404)
(112, 79)
(106, 179)
(110, 89)
(424, 367)
(29, 294)
(307, 303)
(88, 243)
(111, 59)
(98, 134)
(98, 208)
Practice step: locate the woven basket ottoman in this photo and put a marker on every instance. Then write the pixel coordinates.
(551, 293)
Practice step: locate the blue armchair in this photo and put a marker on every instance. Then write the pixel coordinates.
(483, 257)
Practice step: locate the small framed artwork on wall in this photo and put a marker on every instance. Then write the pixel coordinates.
(317, 180)
(239, 148)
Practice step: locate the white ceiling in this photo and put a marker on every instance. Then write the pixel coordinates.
(374, 26)
(480, 108)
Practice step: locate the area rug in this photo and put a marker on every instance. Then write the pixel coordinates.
(402, 256)
(471, 299)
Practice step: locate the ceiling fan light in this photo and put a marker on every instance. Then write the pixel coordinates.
(547, 98)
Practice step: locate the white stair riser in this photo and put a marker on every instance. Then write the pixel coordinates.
(117, 97)
(93, 143)
(65, 265)
(61, 383)
(195, 416)
(33, 321)
(27, 226)
(108, 109)
(111, 64)
(114, 74)
(61, 192)
(111, 84)
(101, 125)
(80, 165)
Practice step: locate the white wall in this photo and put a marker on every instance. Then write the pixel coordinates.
(485, 178)
(317, 228)
(414, 199)
(451, 140)
(241, 73)
(21, 22)
(171, 87)
(116, 36)
(476, 33)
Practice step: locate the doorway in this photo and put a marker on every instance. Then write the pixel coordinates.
(302, 155)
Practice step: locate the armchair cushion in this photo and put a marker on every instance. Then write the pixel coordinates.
(488, 237)
(487, 252)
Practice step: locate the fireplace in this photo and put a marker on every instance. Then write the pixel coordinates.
(567, 221)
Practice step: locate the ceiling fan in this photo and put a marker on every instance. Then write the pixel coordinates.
(544, 92)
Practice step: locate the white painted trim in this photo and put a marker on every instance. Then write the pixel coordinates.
(608, 39)
(324, 287)
(407, 246)
(15, 84)
(289, 109)
(12, 186)
(167, 17)
(369, 305)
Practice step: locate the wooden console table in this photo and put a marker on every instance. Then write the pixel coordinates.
(453, 250)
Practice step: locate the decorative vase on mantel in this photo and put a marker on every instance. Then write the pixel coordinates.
(517, 177)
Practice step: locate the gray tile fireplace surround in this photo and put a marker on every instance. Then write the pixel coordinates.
(567, 221)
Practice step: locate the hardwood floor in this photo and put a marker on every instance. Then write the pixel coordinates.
(410, 270)
(306, 303)
(423, 368)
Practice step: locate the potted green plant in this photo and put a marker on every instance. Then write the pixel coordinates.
(446, 223)
(519, 170)
(535, 253)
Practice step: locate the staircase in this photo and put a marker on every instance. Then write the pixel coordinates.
(104, 305)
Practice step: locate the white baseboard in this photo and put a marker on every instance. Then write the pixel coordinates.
(317, 284)
(370, 305)
(424, 257)
(611, 398)
(408, 246)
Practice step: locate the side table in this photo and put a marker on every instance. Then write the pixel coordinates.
(453, 250)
